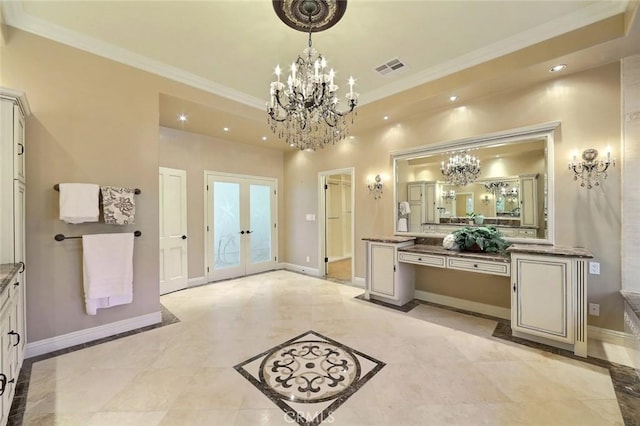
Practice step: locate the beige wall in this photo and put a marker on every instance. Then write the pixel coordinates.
(93, 120)
(195, 154)
(588, 106)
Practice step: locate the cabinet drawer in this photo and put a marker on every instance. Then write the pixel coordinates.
(527, 233)
(5, 296)
(422, 259)
(484, 267)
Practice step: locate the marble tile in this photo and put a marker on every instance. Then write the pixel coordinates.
(443, 366)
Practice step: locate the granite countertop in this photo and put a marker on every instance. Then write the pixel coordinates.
(391, 240)
(550, 250)
(7, 272)
(441, 251)
(633, 300)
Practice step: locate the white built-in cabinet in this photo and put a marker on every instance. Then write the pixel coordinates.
(13, 111)
(548, 302)
(423, 203)
(387, 279)
(529, 200)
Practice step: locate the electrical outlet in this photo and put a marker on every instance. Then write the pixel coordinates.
(594, 268)
(594, 309)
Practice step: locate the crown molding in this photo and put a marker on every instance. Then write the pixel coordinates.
(589, 15)
(15, 16)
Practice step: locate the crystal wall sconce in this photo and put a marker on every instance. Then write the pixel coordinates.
(449, 195)
(590, 170)
(375, 186)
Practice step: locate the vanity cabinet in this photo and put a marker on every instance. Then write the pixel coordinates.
(422, 201)
(387, 279)
(549, 298)
(529, 200)
(13, 111)
(12, 341)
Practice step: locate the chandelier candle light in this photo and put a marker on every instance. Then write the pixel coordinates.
(590, 170)
(461, 169)
(303, 111)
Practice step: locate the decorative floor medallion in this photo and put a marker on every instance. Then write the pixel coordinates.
(309, 376)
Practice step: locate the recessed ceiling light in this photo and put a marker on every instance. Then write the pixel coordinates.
(182, 117)
(558, 67)
(453, 98)
(386, 117)
(264, 138)
(226, 129)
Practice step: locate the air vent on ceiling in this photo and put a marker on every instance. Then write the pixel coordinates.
(393, 66)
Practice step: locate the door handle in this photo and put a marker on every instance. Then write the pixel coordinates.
(184, 237)
(248, 232)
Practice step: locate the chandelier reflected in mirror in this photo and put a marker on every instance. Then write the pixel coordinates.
(461, 169)
(303, 109)
(495, 188)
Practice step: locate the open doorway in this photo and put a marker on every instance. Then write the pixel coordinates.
(337, 224)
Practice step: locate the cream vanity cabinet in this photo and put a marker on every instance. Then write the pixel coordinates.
(549, 295)
(386, 279)
(12, 341)
(13, 111)
(422, 201)
(529, 200)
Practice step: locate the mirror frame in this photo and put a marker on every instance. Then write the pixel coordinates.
(513, 136)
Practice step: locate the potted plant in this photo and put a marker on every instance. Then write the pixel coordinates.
(480, 238)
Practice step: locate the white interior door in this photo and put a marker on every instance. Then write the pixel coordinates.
(173, 230)
(241, 225)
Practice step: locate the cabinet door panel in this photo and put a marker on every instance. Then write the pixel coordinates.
(542, 301)
(382, 270)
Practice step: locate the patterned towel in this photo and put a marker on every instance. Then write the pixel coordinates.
(119, 205)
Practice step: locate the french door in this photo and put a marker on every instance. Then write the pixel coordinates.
(241, 225)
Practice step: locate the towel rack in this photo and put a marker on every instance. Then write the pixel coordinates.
(57, 188)
(61, 237)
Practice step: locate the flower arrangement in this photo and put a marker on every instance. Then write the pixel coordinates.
(476, 238)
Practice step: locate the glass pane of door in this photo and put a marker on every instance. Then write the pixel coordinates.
(226, 224)
(260, 222)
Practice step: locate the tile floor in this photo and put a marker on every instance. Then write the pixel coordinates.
(442, 367)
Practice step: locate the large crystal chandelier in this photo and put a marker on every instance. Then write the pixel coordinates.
(303, 109)
(461, 169)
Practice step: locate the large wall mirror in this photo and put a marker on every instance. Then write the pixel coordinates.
(512, 191)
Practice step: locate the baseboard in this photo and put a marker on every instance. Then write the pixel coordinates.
(467, 305)
(301, 269)
(615, 337)
(197, 281)
(359, 282)
(89, 334)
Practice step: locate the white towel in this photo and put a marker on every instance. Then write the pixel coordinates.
(108, 270)
(79, 202)
(402, 225)
(404, 208)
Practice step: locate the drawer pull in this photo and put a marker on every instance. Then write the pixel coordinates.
(16, 284)
(3, 383)
(16, 334)
(420, 259)
(475, 265)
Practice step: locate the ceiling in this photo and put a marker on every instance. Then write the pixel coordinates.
(230, 49)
